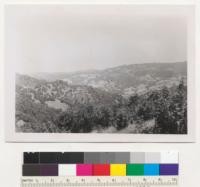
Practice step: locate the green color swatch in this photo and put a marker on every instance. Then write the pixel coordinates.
(135, 169)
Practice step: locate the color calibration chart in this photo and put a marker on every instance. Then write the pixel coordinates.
(142, 169)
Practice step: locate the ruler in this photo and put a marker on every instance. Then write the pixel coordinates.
(108, 181)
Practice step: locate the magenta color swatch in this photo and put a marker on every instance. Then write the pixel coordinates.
(84, 169)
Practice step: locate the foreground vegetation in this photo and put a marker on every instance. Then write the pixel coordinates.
(166, 107)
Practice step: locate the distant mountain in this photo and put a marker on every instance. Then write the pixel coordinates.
(127, 79)
(27, 81)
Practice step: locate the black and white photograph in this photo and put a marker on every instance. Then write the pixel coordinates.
(100, 69)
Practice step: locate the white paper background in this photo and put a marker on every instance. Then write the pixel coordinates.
(11, 153)
(17, 62)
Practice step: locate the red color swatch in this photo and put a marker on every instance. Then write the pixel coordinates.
(101, 170)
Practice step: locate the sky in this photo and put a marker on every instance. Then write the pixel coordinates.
(68, 38)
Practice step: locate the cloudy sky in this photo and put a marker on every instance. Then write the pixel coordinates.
(70, 38)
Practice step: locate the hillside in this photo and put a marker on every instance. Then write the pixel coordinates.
(139, 98)
(127, 79)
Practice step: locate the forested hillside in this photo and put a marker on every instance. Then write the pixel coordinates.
(145, 98)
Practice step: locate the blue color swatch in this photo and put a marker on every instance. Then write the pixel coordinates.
(151, 169)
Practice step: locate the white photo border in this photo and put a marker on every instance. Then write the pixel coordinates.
(12, 136)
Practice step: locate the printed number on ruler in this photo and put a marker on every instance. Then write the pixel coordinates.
(100, 181)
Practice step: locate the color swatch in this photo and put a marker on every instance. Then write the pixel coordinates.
(100, 164)
(135, 169)
(101, 170)
(117, 169)
(84, 170)
(67, 169)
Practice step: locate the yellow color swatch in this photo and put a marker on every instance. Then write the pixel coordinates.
(117, 169)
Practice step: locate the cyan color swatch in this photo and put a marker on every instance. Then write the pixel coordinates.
(151, 169)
